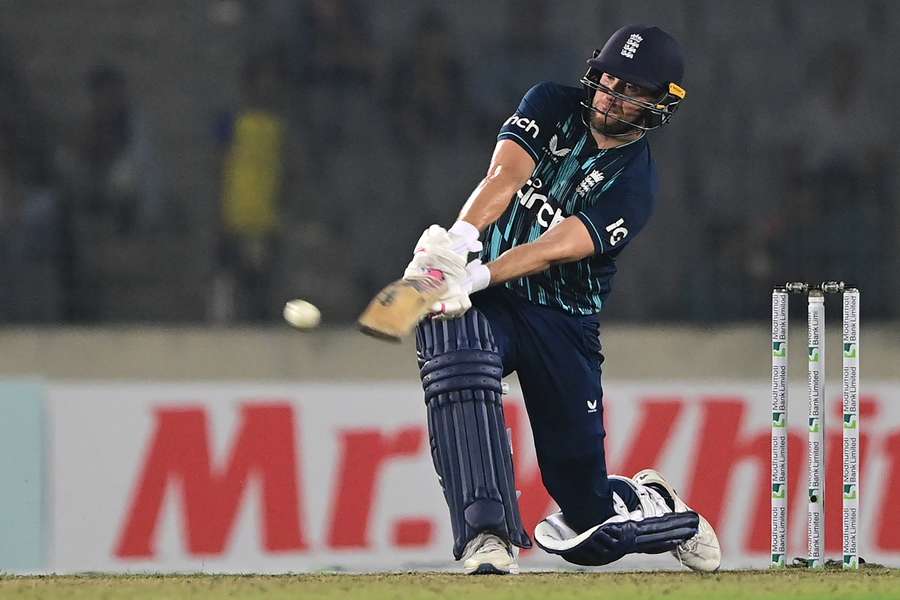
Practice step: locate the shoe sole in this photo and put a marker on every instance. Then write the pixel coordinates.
(489, 569)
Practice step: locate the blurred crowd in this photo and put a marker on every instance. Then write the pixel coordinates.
(336, 149)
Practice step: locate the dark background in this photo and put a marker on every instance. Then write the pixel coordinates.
(125, 124)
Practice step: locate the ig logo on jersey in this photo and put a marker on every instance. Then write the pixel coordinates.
(617, 230)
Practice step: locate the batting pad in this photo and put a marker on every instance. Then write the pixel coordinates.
(461, 372)
(615, 537)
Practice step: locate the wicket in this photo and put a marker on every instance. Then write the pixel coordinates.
(815, 527)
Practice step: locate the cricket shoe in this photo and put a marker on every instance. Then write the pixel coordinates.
(487, 554)
(701, 552)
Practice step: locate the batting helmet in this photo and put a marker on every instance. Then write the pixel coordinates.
(645, 56)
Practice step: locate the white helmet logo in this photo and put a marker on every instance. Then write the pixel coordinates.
(631, 46)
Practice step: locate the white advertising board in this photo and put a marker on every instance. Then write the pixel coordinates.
(283, 478)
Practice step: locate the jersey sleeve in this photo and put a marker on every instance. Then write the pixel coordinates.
(618, 216)
(535, 120)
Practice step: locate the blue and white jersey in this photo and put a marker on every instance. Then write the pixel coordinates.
(612, 191)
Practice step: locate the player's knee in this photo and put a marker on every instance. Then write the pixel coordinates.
(461, 371)
(611, 540)
(458, 355)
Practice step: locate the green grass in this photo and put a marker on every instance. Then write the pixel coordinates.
(871, 582)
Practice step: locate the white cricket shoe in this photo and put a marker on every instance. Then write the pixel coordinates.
(487, 554)
(701, 552)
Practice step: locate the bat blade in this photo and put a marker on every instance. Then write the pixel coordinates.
(398, 308)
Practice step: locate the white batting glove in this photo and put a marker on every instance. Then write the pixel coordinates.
(455, 302)
(440, 262)
(462, 238)
(465, 237)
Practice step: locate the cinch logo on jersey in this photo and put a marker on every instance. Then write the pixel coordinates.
(547, 216)
(529, 125)
(593, 178)
(631, 46)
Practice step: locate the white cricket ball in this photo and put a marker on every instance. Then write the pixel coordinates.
(302, 314)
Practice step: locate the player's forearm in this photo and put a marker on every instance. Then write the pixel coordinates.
(566, 242)
(522, 261)
(491, 197)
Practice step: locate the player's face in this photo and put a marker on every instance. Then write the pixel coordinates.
(611, 108)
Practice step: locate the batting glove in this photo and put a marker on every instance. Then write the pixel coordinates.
(455, 302)
(462, 238)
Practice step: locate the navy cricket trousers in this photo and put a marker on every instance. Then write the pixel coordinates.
(557, 357)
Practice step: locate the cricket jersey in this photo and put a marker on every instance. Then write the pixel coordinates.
(611, 191)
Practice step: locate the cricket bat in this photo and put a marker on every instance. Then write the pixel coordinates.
(395, 311)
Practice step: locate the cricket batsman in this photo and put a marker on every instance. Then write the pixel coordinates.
(570, 184)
